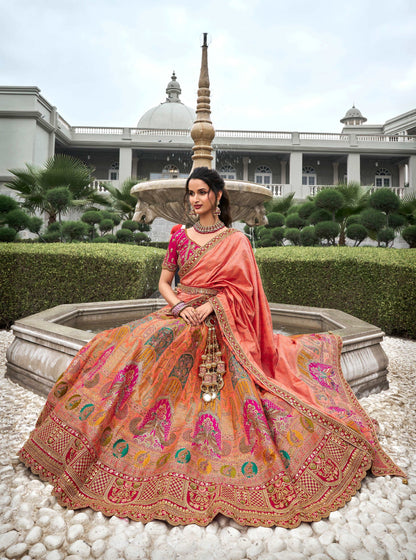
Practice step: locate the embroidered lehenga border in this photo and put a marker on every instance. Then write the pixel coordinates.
(125, 430)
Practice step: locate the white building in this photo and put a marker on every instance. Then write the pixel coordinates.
(384, 155)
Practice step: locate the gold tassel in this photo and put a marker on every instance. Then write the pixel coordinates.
(212, 367)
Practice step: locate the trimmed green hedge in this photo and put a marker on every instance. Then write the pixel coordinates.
(373, 284)
(34, 277)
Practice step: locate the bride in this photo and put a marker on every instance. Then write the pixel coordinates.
(199, 408)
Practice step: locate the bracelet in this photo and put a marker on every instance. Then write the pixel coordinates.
(176, 309)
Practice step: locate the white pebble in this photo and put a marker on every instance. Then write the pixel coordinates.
(259, 533)
(97, 548)
(193, 532)
(276, 544)
(7, 539)
(5, 527)
(349, 541)
(336, 552)
(24, 523)
(75, 532)
(80, 548)
(118, 541)
(43, 521)
(34, 535)
(311, 545)
(163, 553)
(80, 518)
(327, 538)
(111, 554)
(16, 550)
(98, 532)
(255, 549)
(376, 529)
(228, 534)
(54, 555)
(53, 541)
(38, 550)
(57, 524)
(320, 527)
(156, 528)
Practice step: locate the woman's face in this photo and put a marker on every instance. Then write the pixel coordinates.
(201, 197)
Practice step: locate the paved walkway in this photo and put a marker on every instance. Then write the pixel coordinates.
(379, 523)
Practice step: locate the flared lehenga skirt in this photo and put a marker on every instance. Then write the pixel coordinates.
(126, 432)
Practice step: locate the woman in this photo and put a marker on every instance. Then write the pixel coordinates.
(199, 409)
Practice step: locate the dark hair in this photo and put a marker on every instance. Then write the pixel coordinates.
(215, 182)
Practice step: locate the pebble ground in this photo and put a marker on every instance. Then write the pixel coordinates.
(379, 523)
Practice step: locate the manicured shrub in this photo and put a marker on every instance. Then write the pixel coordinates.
(35, 224)
(278, 234)
(308, 236)
(106, 225)
(7, 234)
(306, 209)
(319, 215)
(130, 224)
(328, 231)
(396, 221)
(292, 235)
(357, 233)
(124, 235)
(141, 238)
(17, 219)
(374, 285)
(7, 203)
(354, 219)
(372, 219)
(37, 276)
(110, 237)
(74, 230)
(275, 219)
(384, 200)
(294, 221)
(100, 240)
(330, 200)
(386, 235)
(409, 235)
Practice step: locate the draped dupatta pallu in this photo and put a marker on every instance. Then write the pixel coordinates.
(125, 429)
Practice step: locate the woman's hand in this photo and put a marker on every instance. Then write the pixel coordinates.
(198, 315)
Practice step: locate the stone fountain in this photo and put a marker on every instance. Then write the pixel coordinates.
(45, 343)
(164, 198)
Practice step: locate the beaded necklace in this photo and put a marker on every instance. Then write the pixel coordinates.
(208, 229)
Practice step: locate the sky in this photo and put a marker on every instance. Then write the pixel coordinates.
(295, 65)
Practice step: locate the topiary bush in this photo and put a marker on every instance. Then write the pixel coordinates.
(34, 277)
(374, 285)
(409, 235)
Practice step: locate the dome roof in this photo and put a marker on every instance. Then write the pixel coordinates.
(170, 114)
(353, 114)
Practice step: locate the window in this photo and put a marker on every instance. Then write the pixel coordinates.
(170, 172)
(308, 175)
(113, 171)
(263, 175)
(228, 172)
(383, 178)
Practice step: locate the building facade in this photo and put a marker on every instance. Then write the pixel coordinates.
(160, 146)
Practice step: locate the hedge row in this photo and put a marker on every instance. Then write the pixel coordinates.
(39, 276)
(376, 285)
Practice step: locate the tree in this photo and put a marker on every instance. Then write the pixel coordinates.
(328, 231)
(124, 235)
(33, 183)
(355, 201)
(293, 235)
(91, 217)
(373, 220)
(60, 198)
(386, 236)
(74, 230)
(308, 236)
(357, 233)
(275, 219)
(319, 215)
(409, 235)
(7, 203)
(123, 202)
(17, 219)
(306, 209)
(386, 201)
(106, 225)
(330, 200)
(7, 234)
(35, 225)
(130, 224)
(294, 221)
(281, 205)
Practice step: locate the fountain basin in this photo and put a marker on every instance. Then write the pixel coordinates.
(164, 198)
(46, 342)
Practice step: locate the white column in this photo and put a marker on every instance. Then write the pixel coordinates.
(125, 163)
(245, 168)
(335, 172)
(353, 168)
(283, 171)
(295, 174)
(412, 174)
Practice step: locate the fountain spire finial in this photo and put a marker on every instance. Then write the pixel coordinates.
(203, 132)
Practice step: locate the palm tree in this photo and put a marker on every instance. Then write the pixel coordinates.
(355, 200)
(121, 200)
(33, 184)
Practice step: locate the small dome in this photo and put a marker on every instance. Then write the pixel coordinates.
(353, 116)
(170, 114)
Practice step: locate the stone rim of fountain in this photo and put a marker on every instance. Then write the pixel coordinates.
(44, 345)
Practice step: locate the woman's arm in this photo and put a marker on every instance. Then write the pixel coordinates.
(189, 314)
